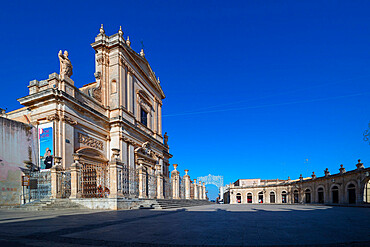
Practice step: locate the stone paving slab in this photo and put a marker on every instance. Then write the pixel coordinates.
(210, 225)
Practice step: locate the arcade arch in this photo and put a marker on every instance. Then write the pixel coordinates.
(320, 194)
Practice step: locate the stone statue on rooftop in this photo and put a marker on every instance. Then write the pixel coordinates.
(65, 65)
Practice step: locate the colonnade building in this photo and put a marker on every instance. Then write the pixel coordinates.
(345, 187)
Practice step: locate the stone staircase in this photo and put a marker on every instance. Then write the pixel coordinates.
(65, 204)
(171, 203)
(49, 204)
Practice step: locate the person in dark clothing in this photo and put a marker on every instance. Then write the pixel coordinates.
(48, 159)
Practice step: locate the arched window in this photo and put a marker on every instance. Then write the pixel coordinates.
(320, 195)
(249, 198)
(351, 189)
(260, 197)
(335, 194)
(238, 198)
(283, 197)
(272, 197)
(295, 196)
(307, 194)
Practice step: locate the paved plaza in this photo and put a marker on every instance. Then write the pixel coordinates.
(222, 225)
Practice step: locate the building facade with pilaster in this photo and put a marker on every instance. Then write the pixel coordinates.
(117, 117)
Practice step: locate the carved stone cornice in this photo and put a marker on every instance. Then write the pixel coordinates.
(159, 156)
(89, 141)
(129, 141)
(69, 120)
(145, 155)
(53, 117)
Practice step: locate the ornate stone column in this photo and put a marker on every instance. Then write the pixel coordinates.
(115, 175)
(175, 180)
(159, 182)
(142, 180)
(187, 185)
(56, 185)
(196, 197)
(200, 191)
(75, 175)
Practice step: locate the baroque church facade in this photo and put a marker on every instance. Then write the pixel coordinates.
(117, 117)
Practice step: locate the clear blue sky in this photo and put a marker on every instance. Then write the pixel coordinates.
(255, 89)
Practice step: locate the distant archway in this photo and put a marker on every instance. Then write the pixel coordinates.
(307, 194)
(272, 197)
(249, 198)
(284, 197)
(335, 194)
(295, 196)
(238, 198)
(351, 190)
(260, 197)
(320, 195)
(215, 180)
(366, 198)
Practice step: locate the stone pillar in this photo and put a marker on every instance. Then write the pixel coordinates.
(200, 190)
(75, 181)
(115, 175)
(160, 119)
(142, 181)
(187, 185)
(204, 191)
(195, 190)
(175, 180)
(159, 182)
(222, 191)
(56, 185)
(130, 89)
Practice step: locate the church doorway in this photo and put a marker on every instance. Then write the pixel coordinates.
(94, 179)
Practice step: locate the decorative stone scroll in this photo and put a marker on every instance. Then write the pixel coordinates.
(145, 155)
(69, 120)
(53, 117)
(89, 141)
(129, 141)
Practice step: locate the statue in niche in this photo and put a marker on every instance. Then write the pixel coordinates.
(65, 65)
(166, 139)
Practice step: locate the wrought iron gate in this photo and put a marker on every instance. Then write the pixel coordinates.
(94, 180)
(182, 188)
(152, 185)
(130, 182)
(65, 177)
(167, 188)
(40, 185)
